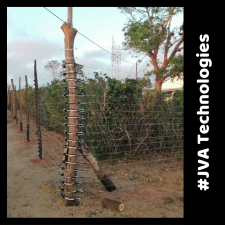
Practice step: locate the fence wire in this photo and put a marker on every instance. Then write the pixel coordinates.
(127, 135)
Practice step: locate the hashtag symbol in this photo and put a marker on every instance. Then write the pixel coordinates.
(203, 184)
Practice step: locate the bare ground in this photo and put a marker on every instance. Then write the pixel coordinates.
(155, 191)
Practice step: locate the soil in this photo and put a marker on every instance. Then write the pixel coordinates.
(147, 189)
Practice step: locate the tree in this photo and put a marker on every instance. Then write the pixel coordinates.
(149, 31)
(53, 66)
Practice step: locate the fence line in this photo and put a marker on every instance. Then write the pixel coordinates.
(117, 138)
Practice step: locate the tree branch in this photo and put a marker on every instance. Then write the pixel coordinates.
(168, 18)
(129, 12)
(177, 47)
(168, 74)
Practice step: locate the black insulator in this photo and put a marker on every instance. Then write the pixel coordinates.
(81, 126)
(79, 80)
(61, 174)
(62, 189)
(81, 95)
(61, 193)
(78, 183)
(62, 181)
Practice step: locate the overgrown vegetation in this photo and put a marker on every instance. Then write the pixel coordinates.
(120, 120)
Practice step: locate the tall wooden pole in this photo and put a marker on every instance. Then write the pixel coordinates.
(70, 34)
(73, 112)
(70, 16)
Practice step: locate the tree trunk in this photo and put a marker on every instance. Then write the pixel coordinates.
(158, 87)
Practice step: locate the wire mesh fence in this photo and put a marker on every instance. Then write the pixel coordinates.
(128, 133)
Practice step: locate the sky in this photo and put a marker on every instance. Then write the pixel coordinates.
(33, 33)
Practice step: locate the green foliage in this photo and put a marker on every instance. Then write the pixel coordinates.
(117, 123)
(149, 31)
(121, 122)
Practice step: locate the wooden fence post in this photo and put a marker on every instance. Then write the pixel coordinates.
(70, 34)
(37, 111)
(11, 98)
(21, 128)
(27, 110)
(73, 111)
(8, 97)
(14, 103)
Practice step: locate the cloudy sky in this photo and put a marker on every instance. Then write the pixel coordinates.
(34, 33)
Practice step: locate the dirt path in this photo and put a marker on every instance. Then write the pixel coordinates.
(31, 193)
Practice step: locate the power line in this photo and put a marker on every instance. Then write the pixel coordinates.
(103, 48)
(54, 14)
(88, 38)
